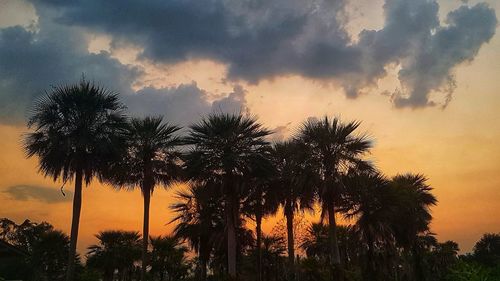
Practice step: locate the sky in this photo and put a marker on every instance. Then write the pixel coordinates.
(421, 76)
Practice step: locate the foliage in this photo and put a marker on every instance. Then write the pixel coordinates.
(76, 127)
(115, 251)
(46, 250)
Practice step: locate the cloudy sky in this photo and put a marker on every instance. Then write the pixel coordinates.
(422, 76)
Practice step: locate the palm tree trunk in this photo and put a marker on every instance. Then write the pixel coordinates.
(290, 239)
(231, 214)
(203, 264)
(145, 233)
(75, 223)
(417, 264)
(371, 276)
(258, 230)
(337, 270)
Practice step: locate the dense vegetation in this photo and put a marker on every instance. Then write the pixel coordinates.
(235, 175)
(117, 256)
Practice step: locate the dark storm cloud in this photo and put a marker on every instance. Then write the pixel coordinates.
(255, 39)
(262, 39)
(32, 61)
(39, 193)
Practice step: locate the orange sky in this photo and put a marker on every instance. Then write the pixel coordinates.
(456, 148)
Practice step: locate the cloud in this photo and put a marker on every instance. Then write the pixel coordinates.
(233, 103)
(183, 104)
(263, 39)
(32, 61)
(280, 133)
(430, 66)
(255, 39)
(39, 193)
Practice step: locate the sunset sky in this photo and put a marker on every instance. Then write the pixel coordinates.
(423, 76)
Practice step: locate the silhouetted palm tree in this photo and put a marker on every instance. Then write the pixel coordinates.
(337, 149)
(369, 201)
(295, 181)
(116, 250)
(167, 258)
(199, 217)
(412, 216)
(76, 129)
(227, 149)
(273, 251)
(150, 158)
(315, 243)
(487, 249)
(262, 201)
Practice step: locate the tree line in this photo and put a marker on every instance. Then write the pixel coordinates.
(81, 132)
(117, 253)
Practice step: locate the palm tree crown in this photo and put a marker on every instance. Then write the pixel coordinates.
(230, 145)
(150, 156)
(75, 128)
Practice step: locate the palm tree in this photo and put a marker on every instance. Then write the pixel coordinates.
(369, 201)
(167, 258)
(315, 243)
(262, 201)
(199, 218)
(116, 250)
(149, 159)
(337, 149)
(295, 180)
(487, 249)
(412, 216)
(76, 129)
(227, 149)
(273, 248)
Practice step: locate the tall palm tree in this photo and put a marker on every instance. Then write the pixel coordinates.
(337, 149)
(116, 250)
(227, 149)
(75, 132)
(150, 158)
(295, 180)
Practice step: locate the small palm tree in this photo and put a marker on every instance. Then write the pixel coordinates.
(315, 243)
(150, 158)
(227, 149)
(337, 149)
(200, 218)
(262, 201)
(75, 131)
(116, 250)
(168, 258)
(412, 215)
(273, 251)
(369, 201)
